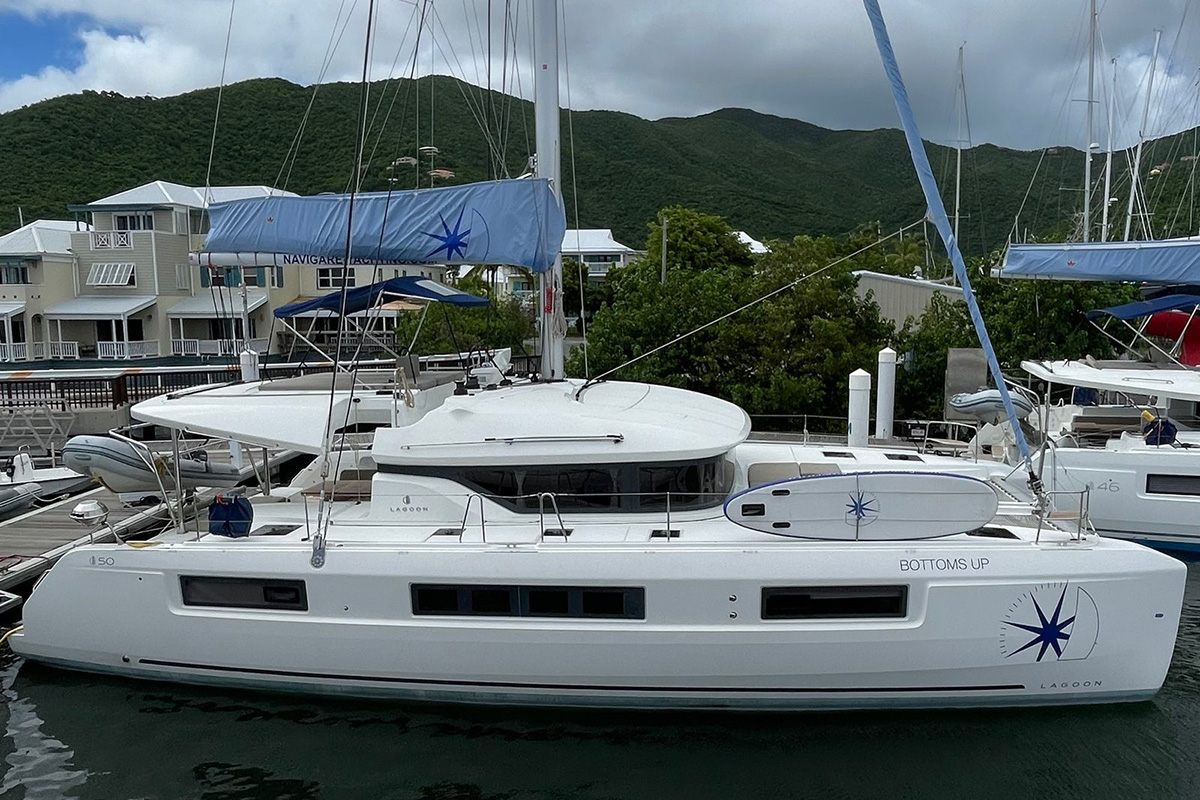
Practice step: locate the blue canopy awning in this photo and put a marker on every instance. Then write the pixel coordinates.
(1164, 261)
(514, 222)
(1144, 308)
(365, 297)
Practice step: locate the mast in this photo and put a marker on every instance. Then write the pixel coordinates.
(1112, 102)
(1136, 177)
(962, 100)
(546, 108)
(1091, 99)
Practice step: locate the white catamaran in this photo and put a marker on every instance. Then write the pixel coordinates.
(565, 542)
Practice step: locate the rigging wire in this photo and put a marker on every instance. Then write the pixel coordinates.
(324, 508)
(574, 186)
(212, 149)
(748, 305)
(335, 39)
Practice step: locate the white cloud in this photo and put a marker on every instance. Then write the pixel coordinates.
(813, 61)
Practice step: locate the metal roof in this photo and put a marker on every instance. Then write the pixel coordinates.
(160, 194)
(216, 303)
(96, 307)
(40, 237)
(589, 241)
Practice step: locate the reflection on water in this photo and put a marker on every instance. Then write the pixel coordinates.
(83, 736)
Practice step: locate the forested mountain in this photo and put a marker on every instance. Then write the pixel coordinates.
(771, 176)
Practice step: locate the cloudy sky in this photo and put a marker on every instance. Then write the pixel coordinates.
(809, 59)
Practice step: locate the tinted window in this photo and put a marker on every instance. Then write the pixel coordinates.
(834, 602)
(615, 487)
(1173, 484)
(243, 593)
(601, 602)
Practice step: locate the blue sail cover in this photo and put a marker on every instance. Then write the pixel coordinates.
(1164, 261)
(514, 222)
(1144, 308)
(937, 213)
(365, 297)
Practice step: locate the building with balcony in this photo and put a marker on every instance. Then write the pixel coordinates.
(136, 295)
(37, 270)
(597, 250)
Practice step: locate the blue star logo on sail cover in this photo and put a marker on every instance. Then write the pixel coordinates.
(453, 242)
(1047, 633)
(861, 508)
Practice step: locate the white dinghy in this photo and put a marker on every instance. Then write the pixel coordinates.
(121, 467)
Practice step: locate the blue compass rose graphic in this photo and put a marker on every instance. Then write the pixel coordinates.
(1073, 623)
(453, 242)
(1048, 633)
(862, 508)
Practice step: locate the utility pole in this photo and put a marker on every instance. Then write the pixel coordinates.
(1135, 180)
(664, 248)
(1091, 99)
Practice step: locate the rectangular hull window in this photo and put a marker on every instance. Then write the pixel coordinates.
(1173, 484)
(283, 595)
(834, 602)
(580, 602)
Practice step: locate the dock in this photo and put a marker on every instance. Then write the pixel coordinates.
(31, 542)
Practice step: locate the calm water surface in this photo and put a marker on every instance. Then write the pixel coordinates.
(77, 736)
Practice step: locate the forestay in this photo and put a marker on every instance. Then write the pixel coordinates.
(514, 222)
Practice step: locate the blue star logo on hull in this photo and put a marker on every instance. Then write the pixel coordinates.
(1048, 633)
(453, 242)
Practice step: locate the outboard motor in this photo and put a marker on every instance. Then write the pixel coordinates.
(230, 515)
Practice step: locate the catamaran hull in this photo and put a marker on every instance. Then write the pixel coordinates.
(972, 631)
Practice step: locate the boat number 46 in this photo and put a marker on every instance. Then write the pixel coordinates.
(1107, 486)
(102, 561)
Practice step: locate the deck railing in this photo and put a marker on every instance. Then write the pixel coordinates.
(43, 350)
(116, 350)
(16, 351)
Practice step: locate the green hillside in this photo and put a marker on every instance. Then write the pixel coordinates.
(771, 176)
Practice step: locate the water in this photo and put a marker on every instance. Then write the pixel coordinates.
(79, 736)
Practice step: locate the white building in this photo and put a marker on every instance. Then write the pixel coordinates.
(899, 298)
(137, 296)
(597, 250)
(37, 269)
(756, 247)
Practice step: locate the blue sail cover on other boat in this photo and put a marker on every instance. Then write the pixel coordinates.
(365, 297)
(1164, 261)
(514, 222)
(1144, 308)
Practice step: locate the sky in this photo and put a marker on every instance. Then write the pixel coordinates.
(1025, 60)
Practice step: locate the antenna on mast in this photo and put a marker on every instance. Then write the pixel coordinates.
(1112, 102)
(961, 101)
(1135, 180)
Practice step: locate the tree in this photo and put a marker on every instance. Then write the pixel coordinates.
(791, 353)
(450, 329)
(1026, 319)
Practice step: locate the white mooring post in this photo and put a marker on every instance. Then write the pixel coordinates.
(859, 428)
(885, 394)
(250, 372)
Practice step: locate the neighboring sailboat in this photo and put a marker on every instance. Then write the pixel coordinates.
(595, 543)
